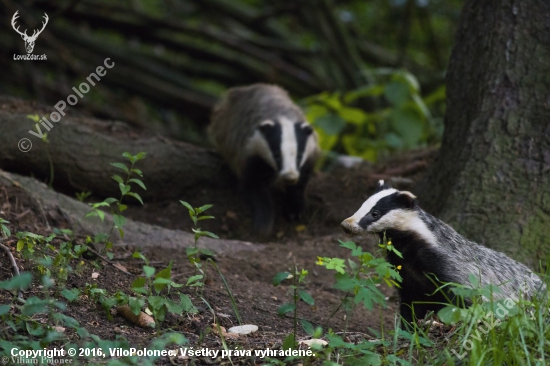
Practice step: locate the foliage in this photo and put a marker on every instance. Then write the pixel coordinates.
(297, 289)
(511, 331)
(189, 53)
(125, 190)
(359, 280)
(151, 286)
(387, 115)
(4, 228)
(193, 253)
(23, 331)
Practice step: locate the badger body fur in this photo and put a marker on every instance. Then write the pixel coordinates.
(267, 142)
(431, 247)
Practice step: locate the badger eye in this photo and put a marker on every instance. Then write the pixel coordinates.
(375, 214)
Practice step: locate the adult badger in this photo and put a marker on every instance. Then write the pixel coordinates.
(429, 246)
(267, 142)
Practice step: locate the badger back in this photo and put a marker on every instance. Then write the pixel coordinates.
(262, 120)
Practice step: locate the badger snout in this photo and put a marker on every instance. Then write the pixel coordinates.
(290, 177)
(348, 226)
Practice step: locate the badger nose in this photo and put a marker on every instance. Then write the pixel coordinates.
(347, 226)
(290, 177)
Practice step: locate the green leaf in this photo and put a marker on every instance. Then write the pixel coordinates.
(164, 274)
(138, 182)
(202, 208)
(188, 206)
(308, 328)
(408, 124)
(189, 251)
(35, 329)
(20, 282)
(347, 244)
(119, 220)
(140, 256)
(149, 271)
(100, 214)
(156, 302)
(20, 245)
(71, 295)
(451, 314)
(7, 231)
(129, 156)
(208, 233)
(192, 281)
(289, 342)
(286, 308)
(118, 179)
(137, 171)
(124, 188)
(337, 264)
(205, 218)
(174, 307)
(207, 252)
(397, 93)
(332, 124)
(121, 166)
(136, 304)
(136, 196)
(308, 299)
(34, 117)
(187, 305)
(139, 285)
(280, 277)
(353, 115)
(393, 140)
(4, 309)
(35, 305)
(140, 156)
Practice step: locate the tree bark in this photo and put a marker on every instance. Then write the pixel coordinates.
(491, 180)
(51, 204)
(81, 150)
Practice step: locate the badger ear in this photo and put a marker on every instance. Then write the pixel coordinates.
(407, 199)
(382, 185)
(306, 128)
(266, 126)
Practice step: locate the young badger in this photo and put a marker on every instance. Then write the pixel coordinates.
(429, 246)
(267, 142)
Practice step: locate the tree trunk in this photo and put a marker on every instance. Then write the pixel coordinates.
(57, 207)
(81, 150)
(491, 181)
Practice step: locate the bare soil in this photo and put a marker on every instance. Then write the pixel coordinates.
(331, 197)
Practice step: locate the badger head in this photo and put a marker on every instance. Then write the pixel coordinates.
(387, 209)
(286, 145)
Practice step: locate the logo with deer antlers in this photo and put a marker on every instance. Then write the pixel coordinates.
(29, 40)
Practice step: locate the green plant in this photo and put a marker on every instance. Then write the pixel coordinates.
(151, 285)
(396, 117)
(125, 190)
(51, 260)
(23, 330)
(36, 118)
(193, 253)
(4, 228)
(359, 279)
(298, 292)
(81, 196)
(517, 325)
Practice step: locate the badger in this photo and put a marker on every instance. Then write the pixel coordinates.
(268, 143)
(431, 248)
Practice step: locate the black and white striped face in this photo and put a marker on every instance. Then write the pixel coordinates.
(387, 209)
(285, 145)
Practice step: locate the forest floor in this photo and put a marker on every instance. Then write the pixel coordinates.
(332, 197)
